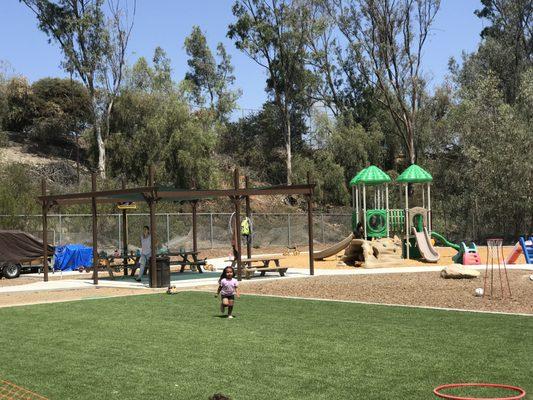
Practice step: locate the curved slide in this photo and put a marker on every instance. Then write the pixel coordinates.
(427, 251)
(445, 241)
(331, 251)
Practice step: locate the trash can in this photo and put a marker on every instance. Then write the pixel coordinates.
(162, 266)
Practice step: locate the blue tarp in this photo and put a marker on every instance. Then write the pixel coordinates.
(72, 256)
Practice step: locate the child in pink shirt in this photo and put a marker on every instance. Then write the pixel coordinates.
(228, 287)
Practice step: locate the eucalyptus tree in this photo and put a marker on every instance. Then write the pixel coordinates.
(384, 40)
(94, 49)
(273, 34)
(210, 82)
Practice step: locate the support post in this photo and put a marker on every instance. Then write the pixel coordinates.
(249, 216)
(45, 231)
(153, 230)
(407, 220)
(95, 231)
(194, 205)
(357, 204)
(310, 227)
(387, 219)
(125, 235)
(364, 208)
(430, 222)
(211, 229)
(237, 226)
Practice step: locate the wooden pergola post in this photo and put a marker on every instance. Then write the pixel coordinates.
(236, 230)
(194, 205)
(125, 235)
(95, 230)
(153, 229)
(249, 216)
(310, 227)
(45, 231)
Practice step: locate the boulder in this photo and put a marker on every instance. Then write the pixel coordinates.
(458, 271)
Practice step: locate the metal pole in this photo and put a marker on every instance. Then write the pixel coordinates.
(211, 229)
(125, 236)
(45, 232)
(249, 216)
(310, 227)
(288, 230)
(153, 229)
(194, 204)
(236, 228)
(168, 229)
(119, 229)
(323, 233)
(60, 229)
(95, 231)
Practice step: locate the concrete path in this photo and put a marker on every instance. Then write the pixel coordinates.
(187, 281)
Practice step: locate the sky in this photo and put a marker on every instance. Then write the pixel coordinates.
(167, 23)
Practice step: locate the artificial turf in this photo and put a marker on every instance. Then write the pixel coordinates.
(178, 347)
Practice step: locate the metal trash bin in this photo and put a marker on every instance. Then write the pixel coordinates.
(162, 267)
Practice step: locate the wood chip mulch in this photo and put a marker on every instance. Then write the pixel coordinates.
(417, 289)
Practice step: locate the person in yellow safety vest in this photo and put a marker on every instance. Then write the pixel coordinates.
(246, 229)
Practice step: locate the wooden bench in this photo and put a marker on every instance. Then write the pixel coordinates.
(263, 268)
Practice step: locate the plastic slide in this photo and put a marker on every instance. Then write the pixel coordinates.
(427, 251)
(331, 251)
(523, 246)
(445, 241)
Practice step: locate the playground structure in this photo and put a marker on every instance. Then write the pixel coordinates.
(383, 236)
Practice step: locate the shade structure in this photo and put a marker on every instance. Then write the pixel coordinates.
(370, 176)
(356, 178)
(415, 174)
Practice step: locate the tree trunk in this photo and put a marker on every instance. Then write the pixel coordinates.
(288, 146)
(101, 150)
(97, 129)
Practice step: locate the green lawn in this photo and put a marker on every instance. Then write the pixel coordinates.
(177, 347)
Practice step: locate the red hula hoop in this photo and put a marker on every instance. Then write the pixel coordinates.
(520, 395)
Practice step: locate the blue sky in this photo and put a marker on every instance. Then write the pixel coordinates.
(166, 23)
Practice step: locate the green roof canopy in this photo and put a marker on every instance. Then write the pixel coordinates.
(370, 176)
(356, 178)
(415, 174)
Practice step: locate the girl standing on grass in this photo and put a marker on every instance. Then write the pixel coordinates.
(228, 287)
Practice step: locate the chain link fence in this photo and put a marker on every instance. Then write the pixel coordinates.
(175, 230)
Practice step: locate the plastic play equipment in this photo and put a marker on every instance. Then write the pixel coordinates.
(426, 249)
(466, 255)
(418, 219)
(523, 246)
(445, 241)
(331, 251)
(375, 221)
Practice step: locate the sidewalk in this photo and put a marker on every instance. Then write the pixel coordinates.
(192, 279)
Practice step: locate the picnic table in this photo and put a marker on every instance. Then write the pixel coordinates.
(187, 258)
(110, 265)
(261, 264)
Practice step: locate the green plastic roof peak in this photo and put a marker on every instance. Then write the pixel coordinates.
(356, 178)
(414, 174)
(370, 176)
